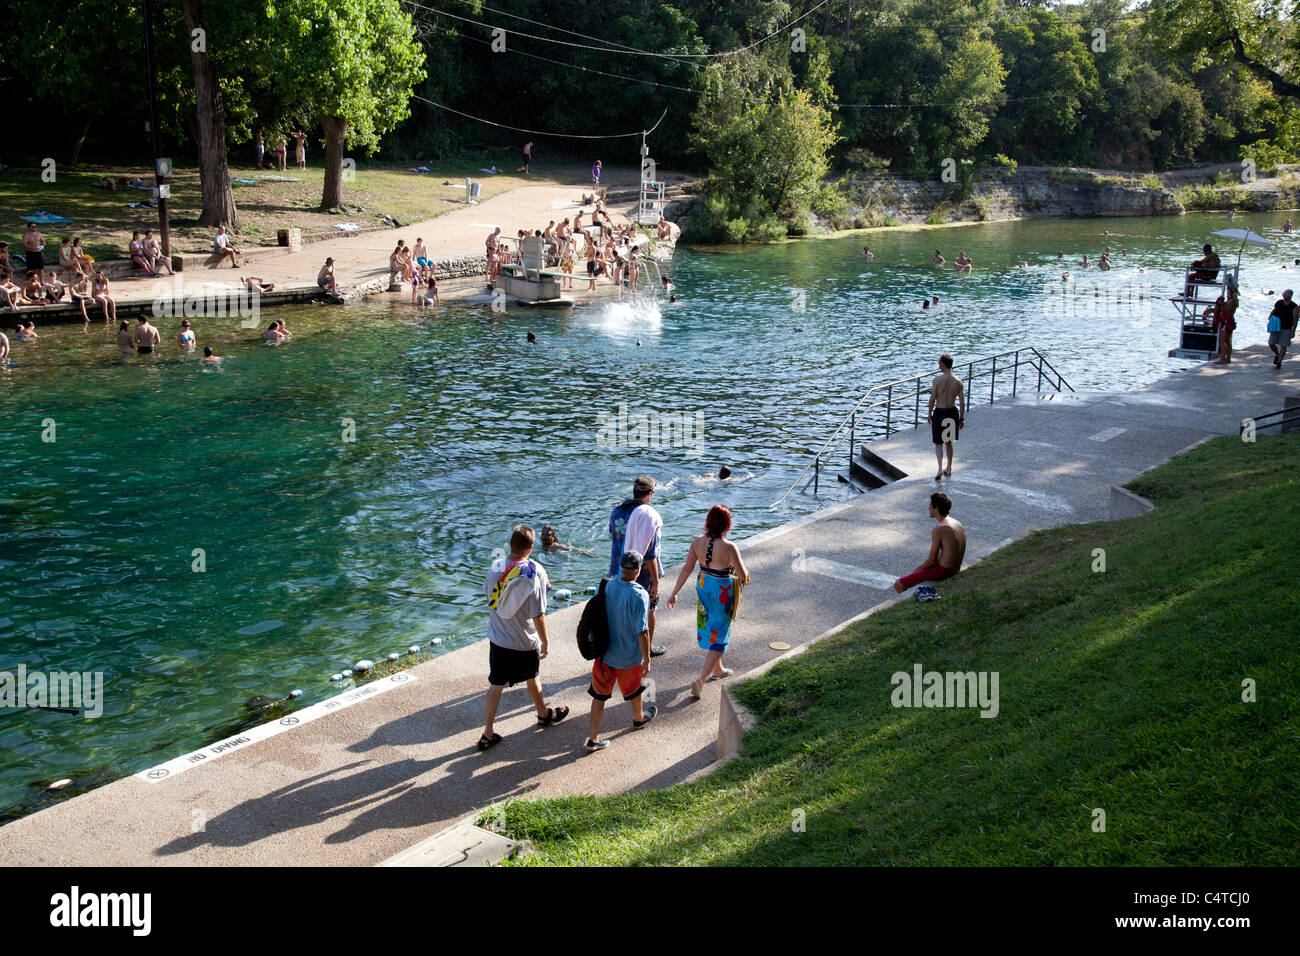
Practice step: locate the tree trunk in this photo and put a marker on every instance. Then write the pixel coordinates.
(80, 141)
(214, 173)
(336, 129)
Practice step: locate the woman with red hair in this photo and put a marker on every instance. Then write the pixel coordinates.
(722, 574)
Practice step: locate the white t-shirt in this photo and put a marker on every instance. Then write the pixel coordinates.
(645, 533)
(221, 241)
(510, 623)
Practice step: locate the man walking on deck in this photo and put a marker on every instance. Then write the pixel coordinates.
(625, 662)
(634, 525)
(516, 591)
(1281, 326)
(945, 420)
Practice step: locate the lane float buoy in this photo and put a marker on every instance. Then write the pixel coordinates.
(362, 666)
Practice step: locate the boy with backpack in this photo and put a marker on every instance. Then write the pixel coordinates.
(626, 657)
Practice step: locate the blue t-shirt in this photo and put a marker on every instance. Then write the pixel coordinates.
(628, 606)
(617, 531)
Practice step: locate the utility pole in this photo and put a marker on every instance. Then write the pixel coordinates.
(160, 170)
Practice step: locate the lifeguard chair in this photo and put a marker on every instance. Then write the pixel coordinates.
(1197, 339)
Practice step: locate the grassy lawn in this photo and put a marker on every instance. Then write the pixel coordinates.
(1119, 691)
(104, 221)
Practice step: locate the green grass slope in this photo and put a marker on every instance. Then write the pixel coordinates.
(1120, 691)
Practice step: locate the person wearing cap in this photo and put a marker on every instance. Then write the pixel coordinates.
(325, 278)
(517, 641)
(635, 525)
(626, 662)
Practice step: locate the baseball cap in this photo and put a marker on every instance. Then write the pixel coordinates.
(631, 559)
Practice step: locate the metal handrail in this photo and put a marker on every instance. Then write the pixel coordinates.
(1292, 413)
(850, 422)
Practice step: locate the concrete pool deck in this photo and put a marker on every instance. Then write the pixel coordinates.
(359, 784)
(360, 260)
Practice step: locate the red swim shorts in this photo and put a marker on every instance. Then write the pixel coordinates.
(603, 679)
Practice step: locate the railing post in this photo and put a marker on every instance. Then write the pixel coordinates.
(1039, 366)
(817, 470)
(916, 412)
(853, 421)
(889, 406)
(970, 370)
(993, 379)
(1015, 373)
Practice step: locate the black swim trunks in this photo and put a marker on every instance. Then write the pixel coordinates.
(507, 667)
(939, 433)
(145, 350)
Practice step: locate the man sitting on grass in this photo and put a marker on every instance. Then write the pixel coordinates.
(947, 547)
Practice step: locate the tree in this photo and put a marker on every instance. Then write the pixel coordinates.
(354, 66)
(210, 117)
(767, 145)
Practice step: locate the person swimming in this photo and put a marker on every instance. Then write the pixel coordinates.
(532, 340)
(209, 357)
(724, 473)
(551, 542)
(867, 253)
(925, 303)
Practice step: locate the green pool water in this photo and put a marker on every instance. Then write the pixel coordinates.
(318, 551)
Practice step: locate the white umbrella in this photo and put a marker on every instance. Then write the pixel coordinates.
(1246, 236)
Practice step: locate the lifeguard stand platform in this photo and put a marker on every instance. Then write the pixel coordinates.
(1197, 339)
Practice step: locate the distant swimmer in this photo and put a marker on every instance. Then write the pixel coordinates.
(146, 337)
(1022, 265)
(1085, 263)
(284, 329)
(963, 261)
(532, 340)
(938, 259)
(26, 332)
(272, 334)
(124, 338)
(1287, 227)
(925, 303)
(1066, 275)
(1060, 255)
(724, 473)
(867, 253)
(672, 300)
(209, 357)
(1123, 251)
(1104, 262)
(934, 302)
(185, 337)
(551, 542)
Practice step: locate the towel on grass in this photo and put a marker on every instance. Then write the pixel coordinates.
(281, 179)
(346, 226)
(419, 169)
(245, 182)
(41, 215)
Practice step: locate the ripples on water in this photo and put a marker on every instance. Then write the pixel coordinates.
(320, 551)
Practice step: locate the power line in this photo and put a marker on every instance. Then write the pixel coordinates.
(610, 46)
(585, 69)
(535, 132)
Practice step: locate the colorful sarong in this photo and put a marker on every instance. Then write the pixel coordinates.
(719, 599)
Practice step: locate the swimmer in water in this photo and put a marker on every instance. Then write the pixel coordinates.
(938, 260)
(867, 253)
(1022, 265)
(1066, 275)
(185, 337)
(284, 329)
(551, 542)
(1085, 263)
(146, 337)
(1104, 262)
(25, 332)
(724, 473)
(209, 357)
(925, 303)
(124, 338)
(4, 348)
(532, 340)
(934, 302)
(963, 262)
(272, 334)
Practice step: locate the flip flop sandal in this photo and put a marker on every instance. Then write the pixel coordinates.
(553, 716)
(485, 742)
(726, 672)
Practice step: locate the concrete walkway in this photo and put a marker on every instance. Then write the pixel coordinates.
(361, 783)
(362, 258)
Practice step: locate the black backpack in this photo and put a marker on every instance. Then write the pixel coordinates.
(593, 627)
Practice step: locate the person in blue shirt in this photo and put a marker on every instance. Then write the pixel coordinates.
(627, 659)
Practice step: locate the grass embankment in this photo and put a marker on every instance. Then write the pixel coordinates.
(104, 221)
(1120, 691)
